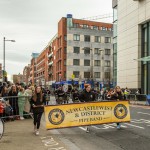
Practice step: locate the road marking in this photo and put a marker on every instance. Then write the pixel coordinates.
(82, 128)
(143, 113)
(134, 126)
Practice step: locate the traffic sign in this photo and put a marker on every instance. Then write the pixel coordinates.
(73, 76)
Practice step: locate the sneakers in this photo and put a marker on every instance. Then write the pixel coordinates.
(37, 132)
(118, 126)
(87, 130)
(21, 118)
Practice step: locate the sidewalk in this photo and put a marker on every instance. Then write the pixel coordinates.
(19, 135)
(139, 103)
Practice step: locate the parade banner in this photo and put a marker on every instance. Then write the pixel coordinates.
(81, 114)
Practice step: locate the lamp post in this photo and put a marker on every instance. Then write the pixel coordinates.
(4, 56)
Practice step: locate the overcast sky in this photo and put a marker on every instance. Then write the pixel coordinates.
(32, 23)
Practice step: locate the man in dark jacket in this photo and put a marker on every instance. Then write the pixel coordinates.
(87, 96)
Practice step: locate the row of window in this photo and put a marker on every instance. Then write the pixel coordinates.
(76, 62)
(87, 50)
(88, 74)
(85, 26)
(87, 38)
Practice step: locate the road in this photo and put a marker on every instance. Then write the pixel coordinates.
(131, 136)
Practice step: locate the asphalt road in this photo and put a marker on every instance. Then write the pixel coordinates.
(131, 136)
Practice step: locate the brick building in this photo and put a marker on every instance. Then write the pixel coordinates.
(42, 67)
(82, 49)
(26, 74)
(18, 78)
(32, 78)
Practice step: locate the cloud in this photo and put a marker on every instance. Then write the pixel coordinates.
(32, 23)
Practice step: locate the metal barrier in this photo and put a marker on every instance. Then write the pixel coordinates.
(15, 107)
(136, 97)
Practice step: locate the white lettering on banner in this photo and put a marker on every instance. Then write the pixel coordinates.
(49, 142)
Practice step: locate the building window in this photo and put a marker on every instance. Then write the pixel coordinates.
(103, 28)
(95, 27)
(65, 74)
(107, 51)
(86, 74)
(107, 75)
(96, 62)
(87, 50)
(76, 50)
(97, 51)
(65, 37)
(97, 39)
(76, 37)
(75, 25)
(64, 62)
(86, 62)
(107, 40)
(87, 38)
(76, 62)
(97, 74)
(85, 26)
(65, 50)
(107, 63)
(76, 74)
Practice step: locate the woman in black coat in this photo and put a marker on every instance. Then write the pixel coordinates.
(37, 103)
(117, 95)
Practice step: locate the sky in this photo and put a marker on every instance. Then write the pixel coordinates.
(32, 24)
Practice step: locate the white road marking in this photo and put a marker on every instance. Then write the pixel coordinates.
(134, 126)
(143, 113)
(82, 128)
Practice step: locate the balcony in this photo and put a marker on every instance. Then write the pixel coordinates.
(50, 73)
(50, 55)
(50, 63)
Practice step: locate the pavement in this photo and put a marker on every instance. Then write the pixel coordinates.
(19, 135)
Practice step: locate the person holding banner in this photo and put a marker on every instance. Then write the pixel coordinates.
(37, 103)
(117, 95)
(87, 96)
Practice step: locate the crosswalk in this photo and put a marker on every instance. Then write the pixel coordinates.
(135, 123)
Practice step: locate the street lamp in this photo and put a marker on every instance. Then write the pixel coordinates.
(4, 56)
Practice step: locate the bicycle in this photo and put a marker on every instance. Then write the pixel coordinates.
(1, 120)
(1, 128)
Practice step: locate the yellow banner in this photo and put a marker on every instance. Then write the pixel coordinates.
(80, 114)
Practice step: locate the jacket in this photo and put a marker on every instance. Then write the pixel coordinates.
(87, 96)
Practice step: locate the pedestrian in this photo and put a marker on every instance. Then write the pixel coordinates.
(117, 95)
(13, 101)
(22, 96)
(37, 103)
(87, 96)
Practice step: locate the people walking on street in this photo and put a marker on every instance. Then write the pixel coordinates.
(117, 95)
(37, 103)
(87, 96)
(22, 96)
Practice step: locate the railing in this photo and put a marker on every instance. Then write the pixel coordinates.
(136, 97)
(14, 107)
